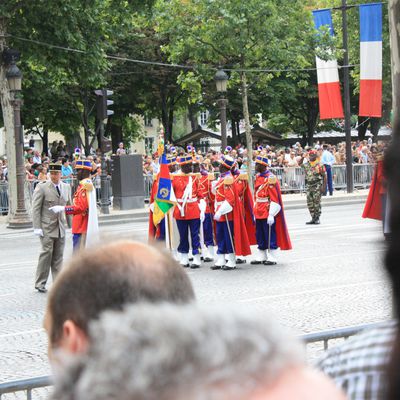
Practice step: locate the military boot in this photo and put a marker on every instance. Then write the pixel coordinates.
(312, 222)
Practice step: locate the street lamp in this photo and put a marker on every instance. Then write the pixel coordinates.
(221, 80)
(19, 219)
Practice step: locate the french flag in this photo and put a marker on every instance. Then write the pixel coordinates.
(370, 60)
(330, 99)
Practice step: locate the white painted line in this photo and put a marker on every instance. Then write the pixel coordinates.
(15, 268)
(17, 263)
(7, 294)
(5, 335)
(304, 292)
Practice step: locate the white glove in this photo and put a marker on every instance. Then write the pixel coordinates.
(151, 207)
(214, 187)
(57, 209)
(38, 232)
(270, 220)
(225, 208)
(202, 216)
(217, 216)
(202, 205)
(274, 208)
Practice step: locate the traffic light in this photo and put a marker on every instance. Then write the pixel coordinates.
(102, 103)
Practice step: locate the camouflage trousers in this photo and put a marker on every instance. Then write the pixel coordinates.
(314, 201)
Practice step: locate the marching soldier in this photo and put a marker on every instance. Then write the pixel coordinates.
(271, 231)
(187, 211)
(231, 231)
(315, 186)
(83, 209)
(48, 226)
(206, 211)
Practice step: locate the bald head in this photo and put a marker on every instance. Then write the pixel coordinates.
(110, 277)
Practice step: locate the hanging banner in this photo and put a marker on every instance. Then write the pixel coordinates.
(370, 60)
(330, 99)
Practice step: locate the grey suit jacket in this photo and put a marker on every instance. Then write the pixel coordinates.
(44, 197)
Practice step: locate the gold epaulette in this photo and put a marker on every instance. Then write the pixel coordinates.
(211, 176)
(87, 184)
(155, 176)
(272, 180)
(244, 177)
(228, 180)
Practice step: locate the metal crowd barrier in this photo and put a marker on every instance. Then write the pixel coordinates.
(324, 337)
(291, 179)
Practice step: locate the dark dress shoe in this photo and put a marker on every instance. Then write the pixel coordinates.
(255, 262)
(312, 222)
(226, 268)
(185, 265)
(216, 267)
(41, 289)
(194, 266)
(269, 262)
(208, 259)
(240, 261)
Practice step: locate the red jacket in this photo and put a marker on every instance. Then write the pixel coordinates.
(267, 187)
(225, 191)
(190, 210)
(265, 191)
(80, 207)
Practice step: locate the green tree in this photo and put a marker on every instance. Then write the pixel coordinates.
(242, 35)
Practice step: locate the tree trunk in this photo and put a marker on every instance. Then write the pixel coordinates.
(249, 139)
(234, 134)
(362, 127)
(312, 118)
(394, 19)
(375, 125)
(45, 140)
(116, 136)
(8, 119)
(194, 123)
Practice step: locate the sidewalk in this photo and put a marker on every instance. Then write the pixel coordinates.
(291, 201)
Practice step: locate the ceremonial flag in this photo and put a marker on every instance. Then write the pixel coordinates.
(165, 197)
(370, 104)
(330, 99)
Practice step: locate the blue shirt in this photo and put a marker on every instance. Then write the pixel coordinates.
(66, 171)
(327, 158)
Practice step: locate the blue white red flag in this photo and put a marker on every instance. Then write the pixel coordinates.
(330, 98)
(370, 104)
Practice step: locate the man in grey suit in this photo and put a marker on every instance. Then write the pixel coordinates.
(50, 227)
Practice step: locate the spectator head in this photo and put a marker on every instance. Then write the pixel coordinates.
(121, 145)
(170, 352)
(313, 155)
(325, 146)
(65, 162)
(108, 278)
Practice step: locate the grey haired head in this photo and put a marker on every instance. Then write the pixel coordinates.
(173, 352)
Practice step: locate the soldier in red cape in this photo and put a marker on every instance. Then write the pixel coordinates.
(231, 231)
(187, 211)
(241, 182)
(271, 229)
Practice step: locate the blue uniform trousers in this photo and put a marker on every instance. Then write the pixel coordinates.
(183, 227)
(262, 235)
(76, 241)
(223, 237)
(329, 182)
(208, 230)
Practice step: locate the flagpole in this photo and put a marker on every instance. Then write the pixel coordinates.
(347, 111)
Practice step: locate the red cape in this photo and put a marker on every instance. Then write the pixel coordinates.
(244, 224)
(373, 205)
(282, 234)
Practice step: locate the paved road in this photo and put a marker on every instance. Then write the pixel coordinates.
(332, 278)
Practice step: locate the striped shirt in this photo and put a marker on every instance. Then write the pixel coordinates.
(358, 366)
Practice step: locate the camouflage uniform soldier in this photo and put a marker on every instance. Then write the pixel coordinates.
(315, 186)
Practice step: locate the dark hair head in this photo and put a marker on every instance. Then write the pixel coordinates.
(110, 277)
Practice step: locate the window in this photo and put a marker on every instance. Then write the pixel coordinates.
(203, 118)
(148, 121)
